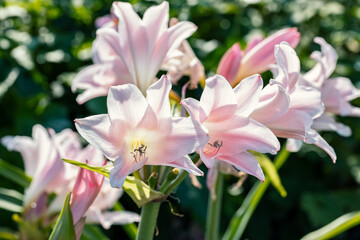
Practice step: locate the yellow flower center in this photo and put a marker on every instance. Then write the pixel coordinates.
(138, 150)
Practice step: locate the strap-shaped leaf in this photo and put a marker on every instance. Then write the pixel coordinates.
(14, 174)
(139, 191)
(8, 234)
(64, 227)
(104, 170)
(336, 227)
(11, 200)
(271, 172)
(92, 232)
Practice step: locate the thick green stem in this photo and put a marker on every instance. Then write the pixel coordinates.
(242, 216)
(130, 229)
(213, 214)
(149, 213)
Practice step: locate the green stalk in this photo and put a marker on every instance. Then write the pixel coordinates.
(213, 214)
(130, 229)
(242, 216)
(182, 175)
(149, 213)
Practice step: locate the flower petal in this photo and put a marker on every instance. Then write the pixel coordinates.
(248, 93)
(293, 145)
(218, 93)
(121, 102)
(98, 131)
(274, 103)
(184, 136)
(122, 168)
(185, 163)
(194, 109)
(230, 63)
(239, 134)
(258, 59)
(289, 64)
(314, 137)
(326, 122)
(307, 99)
(86, 189)
(108, 218)
(294, 124)
(245, 162)
(157, 96)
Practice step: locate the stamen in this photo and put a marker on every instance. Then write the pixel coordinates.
(213, 148)
(139, 150)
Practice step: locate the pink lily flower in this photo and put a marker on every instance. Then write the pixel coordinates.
(107, 197)
(236, 64)
(86, 189)
(336, 93)
(232, 132)
(42, 161)
(183, 62)
(138, 131)
(294, 117)
(132, 53)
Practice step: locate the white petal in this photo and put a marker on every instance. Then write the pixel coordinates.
(248, 93)
(157, 96)
(128, 104)
(245, 162)
(98, 131)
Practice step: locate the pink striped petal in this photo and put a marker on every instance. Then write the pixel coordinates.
(230, 63)
(245, 162)
(248, 93)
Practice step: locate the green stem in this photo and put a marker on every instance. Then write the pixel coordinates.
(149, 213)
(136, 174)
(213, 214)
(242, 216)
(146, 169)
(130, 229)
(182, 175)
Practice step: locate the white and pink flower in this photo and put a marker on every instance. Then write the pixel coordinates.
(140, 131)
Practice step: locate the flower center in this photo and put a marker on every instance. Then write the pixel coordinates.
(138, 150)
(212, 149)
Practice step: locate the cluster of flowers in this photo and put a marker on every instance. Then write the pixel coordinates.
(235, 114)
(91, 192)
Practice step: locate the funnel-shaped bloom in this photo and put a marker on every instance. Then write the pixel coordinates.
(42, 161)
(236, 64)
(138, 131)
(231, 131)
(86, 189)
(132, 53)
(183, 61)
(303, 105)
(336, 93)
(105, 200)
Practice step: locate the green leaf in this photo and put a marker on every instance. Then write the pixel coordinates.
(8, 234)
(11, 200)
(14, 174)
(64, 227)
(92, 232)
(270, 172)
(104, 170)
(139, 191)
(336, 227)
(242, 216)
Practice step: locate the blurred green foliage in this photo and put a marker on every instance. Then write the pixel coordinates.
(44, 43)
